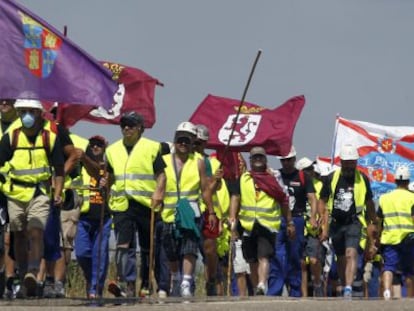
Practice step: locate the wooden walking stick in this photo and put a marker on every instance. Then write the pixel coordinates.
(151, 253)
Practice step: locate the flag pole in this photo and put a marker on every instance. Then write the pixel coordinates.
(259, 52)
(334, 141)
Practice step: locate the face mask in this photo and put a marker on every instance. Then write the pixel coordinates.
(28, 120)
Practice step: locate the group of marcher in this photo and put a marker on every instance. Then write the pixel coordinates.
(265, 232)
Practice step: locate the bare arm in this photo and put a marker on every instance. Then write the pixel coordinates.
(158, 195)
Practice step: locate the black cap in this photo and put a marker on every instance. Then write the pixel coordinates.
(131, 117)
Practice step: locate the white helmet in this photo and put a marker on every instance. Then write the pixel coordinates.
(202, 132)
(304, 163)
(187, 127)
(402, 173)
(28, 103)
(291, 154)
(348, 152)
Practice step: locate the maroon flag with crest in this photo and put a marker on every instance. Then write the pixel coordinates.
(256, 126)
(136, 90)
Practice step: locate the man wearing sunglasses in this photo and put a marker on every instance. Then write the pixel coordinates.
(136, 171)
(186, 180)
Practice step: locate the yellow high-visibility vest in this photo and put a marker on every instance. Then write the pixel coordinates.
(134, 173)
(189, 184)
(396, 209)
(257, 206)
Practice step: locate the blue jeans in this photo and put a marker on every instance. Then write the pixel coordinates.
(89, 254)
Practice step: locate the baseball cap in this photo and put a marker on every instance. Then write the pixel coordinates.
(257, 151)
(28, 103)
(131, 118)
(98, 139)
(304, 163)
(348, 152)
(202, 132)
(402, 173)
(291, 154)
(187, 127)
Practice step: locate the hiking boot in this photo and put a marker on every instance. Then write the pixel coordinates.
(49, 288)
(176, 288)
(30, 284)
(185, 289)
(60, 289)
(116, 289)
(211, 289)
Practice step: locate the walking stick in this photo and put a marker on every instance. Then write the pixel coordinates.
(100, 233)
(151, 253)
(230, 264)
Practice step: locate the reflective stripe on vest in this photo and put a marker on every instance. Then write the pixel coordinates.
(189, 185)
(257, 207)
(29, 164)
(134, 173)
(396, 209)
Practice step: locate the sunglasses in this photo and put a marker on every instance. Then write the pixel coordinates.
(98, 144)
(183, 141)
(129, 124)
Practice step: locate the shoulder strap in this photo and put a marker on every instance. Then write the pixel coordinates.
(14, 138)
(302, 177)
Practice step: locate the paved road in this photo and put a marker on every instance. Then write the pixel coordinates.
(233, 304)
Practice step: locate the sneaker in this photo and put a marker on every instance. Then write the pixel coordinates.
(387, 294)
(144, 292)
(176, 288)
(162, 294)
(185, 289)
(347, 293)
(30, 284)
(260, 289)
(13, 288)
(116, 289)
(49, 288)
(60, 289)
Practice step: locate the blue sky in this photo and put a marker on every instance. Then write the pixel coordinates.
(349, 57)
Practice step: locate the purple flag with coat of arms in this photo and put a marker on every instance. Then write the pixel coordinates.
(38, 62)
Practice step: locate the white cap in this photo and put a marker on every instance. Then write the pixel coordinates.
(402, 173)
(349, 152)
(303, 163)
(187, 127)
(202, 132)
(291, 154)
(411, 186)
(28, 103)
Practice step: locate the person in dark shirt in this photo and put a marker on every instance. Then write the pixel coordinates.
(94, 227)
(346, 198)
(285, 266)
(136, 171)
